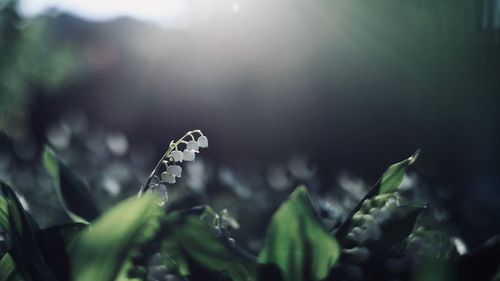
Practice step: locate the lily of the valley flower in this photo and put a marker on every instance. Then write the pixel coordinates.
(188, 155)
(192, 141)
(177, 156)
(192, 145)
(203, 142)
(175, 170)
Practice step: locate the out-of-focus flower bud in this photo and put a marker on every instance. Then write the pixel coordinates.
(167, 177)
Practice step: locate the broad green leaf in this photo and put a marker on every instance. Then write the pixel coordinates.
(192, 244)
(392, 178)
(72, 192)
(8, 270)
(102, 250)
(297, 241)
(25, 251)
(55, 243)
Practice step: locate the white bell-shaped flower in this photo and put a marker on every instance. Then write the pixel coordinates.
(167, 177)
(203, 141)
(188, 155)
(177, 156)
(192, 145)
(175, 170)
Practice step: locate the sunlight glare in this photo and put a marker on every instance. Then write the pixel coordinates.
(236, 7)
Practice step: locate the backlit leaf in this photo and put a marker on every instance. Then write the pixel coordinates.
(297, 241)
(101, 250)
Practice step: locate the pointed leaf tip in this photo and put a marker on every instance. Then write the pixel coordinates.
(414, 157)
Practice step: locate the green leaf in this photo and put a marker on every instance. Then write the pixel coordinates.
(55, 243)
(102, 250)
(192, 244)
(25, 251)
(392, 178)
(8, 270)
(72, 192)
(297, 241)
(4, 217)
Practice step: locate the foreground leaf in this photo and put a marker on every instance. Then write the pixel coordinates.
(8, 270)
(72, 192)
(102, 250)
(4, 217)
(25, 251)
(297, 241)
(195, 248)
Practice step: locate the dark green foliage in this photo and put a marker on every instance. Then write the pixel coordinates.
(73, 194)
(8, 270)
(194, 246)
(25, 251)
(54, 243)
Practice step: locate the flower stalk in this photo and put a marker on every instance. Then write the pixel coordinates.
(192, 141)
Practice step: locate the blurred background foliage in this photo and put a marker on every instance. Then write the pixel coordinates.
(289, 92)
